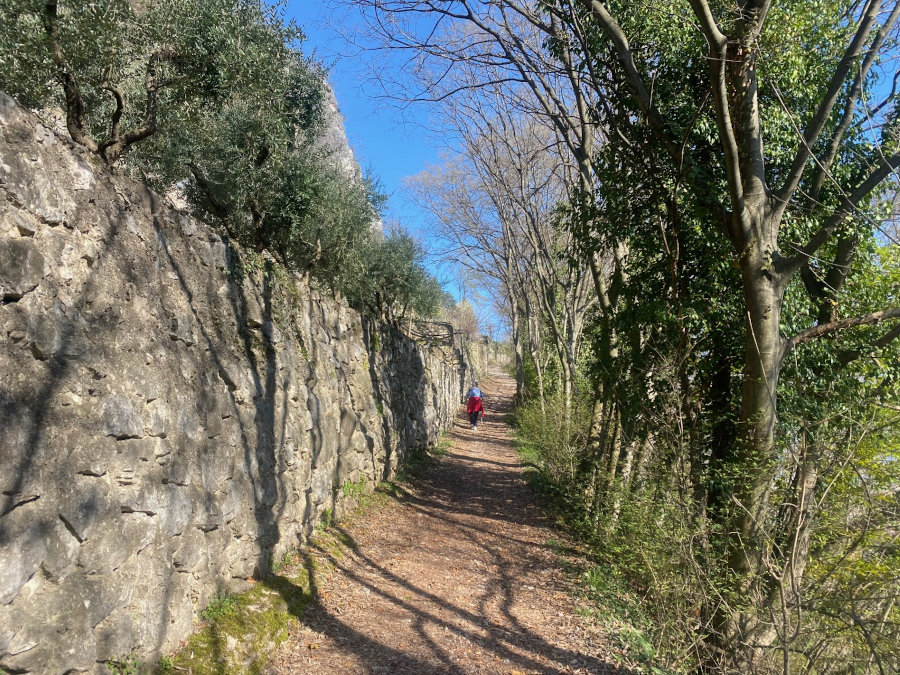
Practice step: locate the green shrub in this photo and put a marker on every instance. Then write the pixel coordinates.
(222, 604)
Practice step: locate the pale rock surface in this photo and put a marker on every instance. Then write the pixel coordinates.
(165, 432)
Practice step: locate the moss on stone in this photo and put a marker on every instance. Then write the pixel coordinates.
(242, 640)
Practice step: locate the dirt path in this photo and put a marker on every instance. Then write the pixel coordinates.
(455, 578)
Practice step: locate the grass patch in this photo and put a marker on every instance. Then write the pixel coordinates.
(354, 489)
(242, 639)
(605, 593)
(442, 447)
(131, 665)
(239, 633)
(222, 604)
(325, 520)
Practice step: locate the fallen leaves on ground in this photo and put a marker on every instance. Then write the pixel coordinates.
(454, 576)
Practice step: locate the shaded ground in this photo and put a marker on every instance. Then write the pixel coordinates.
(456, 577)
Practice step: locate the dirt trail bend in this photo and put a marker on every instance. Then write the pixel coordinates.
(456, 577)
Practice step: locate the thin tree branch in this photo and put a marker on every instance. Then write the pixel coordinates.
(817, 123)
(884, 168)
(850, 355)
(836, 326)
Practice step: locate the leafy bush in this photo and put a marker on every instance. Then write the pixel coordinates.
(222, 604)
(555, 439)
(214, 100)
(392, 279)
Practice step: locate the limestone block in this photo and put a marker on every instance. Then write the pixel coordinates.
(25, 654)
(297, 477)
(189, 552)
(181, 327)
(177, 512)
(40, 194)
(214, 546)
(156, 418)
(162, 450)
(289, 454)
(154, 591)
(214, 471)
(21, 267)
(62, 551)
(20, 453)
(254, 316)
(188, 421)
(115, 543)
(90, 597)
(23, 533)
(120, 419)
(188, 225)
(115, 636)
(181, 466)
(213, 425)
(271, 332)
(219, 255)
(207, 512)
(232, 504)
(55, 332)
(85, 504)
(349, 424)
(141, 493)
(179, 613)
(63, 612)
(320, 485)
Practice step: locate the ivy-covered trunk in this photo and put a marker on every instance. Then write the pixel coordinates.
(743, 622)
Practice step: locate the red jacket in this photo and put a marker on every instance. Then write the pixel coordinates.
(474, 405)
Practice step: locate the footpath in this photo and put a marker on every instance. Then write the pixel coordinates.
(458, 575)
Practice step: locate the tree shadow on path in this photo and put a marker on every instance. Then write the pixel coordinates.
(456, 578)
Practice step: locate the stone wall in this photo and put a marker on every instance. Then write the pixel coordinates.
(173, 416)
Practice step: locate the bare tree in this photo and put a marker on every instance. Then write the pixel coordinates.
(552, 50)
(515, 177)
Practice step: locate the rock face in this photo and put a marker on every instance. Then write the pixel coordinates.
(169, 424)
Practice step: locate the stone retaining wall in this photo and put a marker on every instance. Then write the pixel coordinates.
(172, 417)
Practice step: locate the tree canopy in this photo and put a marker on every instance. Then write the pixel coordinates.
(736, 163)
(215, 101)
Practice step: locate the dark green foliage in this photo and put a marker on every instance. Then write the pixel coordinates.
(237, 127)
(660, 483)
(393, 280)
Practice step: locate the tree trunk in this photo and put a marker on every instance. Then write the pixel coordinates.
(742, 626)
(518, 350)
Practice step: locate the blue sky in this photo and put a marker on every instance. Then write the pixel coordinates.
(391, 144)
(391, 147)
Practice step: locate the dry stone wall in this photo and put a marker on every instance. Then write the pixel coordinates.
(173, 417)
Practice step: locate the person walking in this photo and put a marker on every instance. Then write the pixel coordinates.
(474, 405)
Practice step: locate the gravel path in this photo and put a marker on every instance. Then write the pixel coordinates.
(455, 577)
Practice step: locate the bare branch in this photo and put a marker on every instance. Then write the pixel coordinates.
(817, 123)
(842, 324)
(824, 165)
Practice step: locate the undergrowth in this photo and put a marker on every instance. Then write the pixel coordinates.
(605, 583)
(240, 632)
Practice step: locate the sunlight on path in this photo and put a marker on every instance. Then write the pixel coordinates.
(455, 578)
